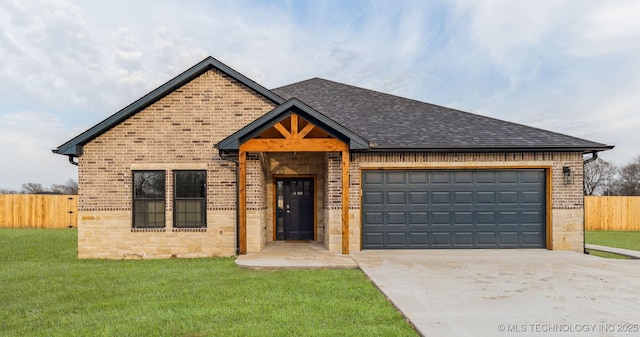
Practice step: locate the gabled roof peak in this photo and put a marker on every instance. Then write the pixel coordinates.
(293, 106)
(74, 146)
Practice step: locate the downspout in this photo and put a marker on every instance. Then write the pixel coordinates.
(594, 156)
(72, 161)
(235, 161)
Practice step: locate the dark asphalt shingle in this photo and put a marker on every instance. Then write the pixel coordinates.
(393, 122)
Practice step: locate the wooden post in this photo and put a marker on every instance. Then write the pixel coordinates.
(345, 201)
(242, 203)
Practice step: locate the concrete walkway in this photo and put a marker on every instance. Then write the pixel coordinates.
(287, 255)
(634, 254)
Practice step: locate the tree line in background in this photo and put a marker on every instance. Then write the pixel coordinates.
(604, 178)
(70, 187)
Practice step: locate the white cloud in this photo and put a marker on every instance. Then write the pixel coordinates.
(565, 65)
(27, 138)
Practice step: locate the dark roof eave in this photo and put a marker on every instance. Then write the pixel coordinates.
(71, 147)
(487, 149)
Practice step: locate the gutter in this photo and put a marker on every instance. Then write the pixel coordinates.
(71, 161)
(594, 156)
(223, 156)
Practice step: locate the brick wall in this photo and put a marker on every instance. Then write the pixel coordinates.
(176, 132)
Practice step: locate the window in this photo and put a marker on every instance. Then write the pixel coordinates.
(190, 197)
(148, 199)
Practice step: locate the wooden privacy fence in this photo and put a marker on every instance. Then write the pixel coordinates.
(612, 213)
(38, 211)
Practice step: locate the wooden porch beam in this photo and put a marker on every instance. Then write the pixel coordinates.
(345, 201)
(242, 203)
(305, 131)
(294, 145)
(294, 126)
(283, 131)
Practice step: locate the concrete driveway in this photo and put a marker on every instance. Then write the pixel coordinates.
(509, 292)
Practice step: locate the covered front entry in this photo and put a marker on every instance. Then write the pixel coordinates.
(295, 211)
(292, 127)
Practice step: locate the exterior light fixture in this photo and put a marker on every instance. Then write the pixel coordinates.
(568, 176)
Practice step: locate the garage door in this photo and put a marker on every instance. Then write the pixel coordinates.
(413, 209)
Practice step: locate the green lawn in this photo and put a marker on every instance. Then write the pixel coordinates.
(46, 291)
(618, 239)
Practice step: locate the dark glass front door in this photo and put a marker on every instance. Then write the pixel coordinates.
(294, 209)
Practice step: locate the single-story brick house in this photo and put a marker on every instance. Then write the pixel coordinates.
(213, 164)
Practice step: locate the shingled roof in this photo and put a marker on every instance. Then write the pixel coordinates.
(391, 122)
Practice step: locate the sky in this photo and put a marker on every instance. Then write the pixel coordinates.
(569, 66)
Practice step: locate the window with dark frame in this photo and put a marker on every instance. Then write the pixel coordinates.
(149, 199)
(190, 199)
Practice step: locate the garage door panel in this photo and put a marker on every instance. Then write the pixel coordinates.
(418, 239)
(418, 178)
(486, 198)
(418, 218)
(418, 198)
(439, 178)
(462, 178)
(441, 239)
(508, 218)
(396, 219)
(508, 178)
(373, 240)
(373, 219)
(486, 218)
(463, 198)
(373, 199)
(396, 198)
(508, 239)
(373, 178)
(463, 218)
(486, 178)
(454, 209)
(464, 239)
(532, 238)
(486, 239)
(396, 178)
(441, 218)
(441, 198)
(531, 217)
(533, 198)
(508, 198)
(397, 239)
(532, 177)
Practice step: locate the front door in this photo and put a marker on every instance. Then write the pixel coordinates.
(294, 209)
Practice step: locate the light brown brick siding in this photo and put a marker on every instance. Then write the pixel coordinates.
(176, 132)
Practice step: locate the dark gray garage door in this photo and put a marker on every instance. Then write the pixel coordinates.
(407, 209)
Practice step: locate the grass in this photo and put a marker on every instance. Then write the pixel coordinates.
(618, 239)
(607, 254)
(46, 291)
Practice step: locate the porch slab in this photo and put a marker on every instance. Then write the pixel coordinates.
(296, 255)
